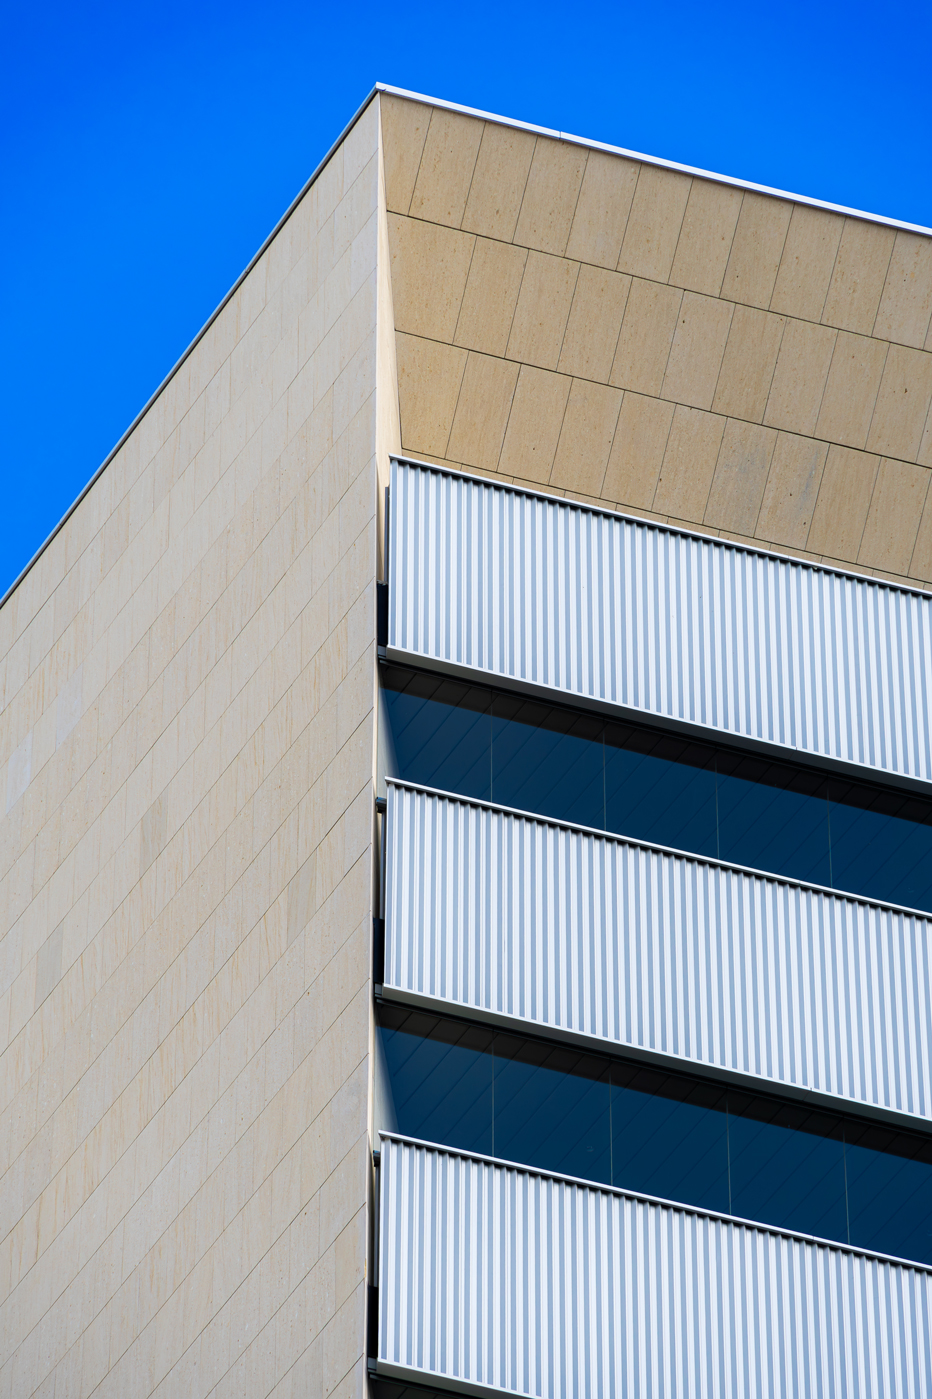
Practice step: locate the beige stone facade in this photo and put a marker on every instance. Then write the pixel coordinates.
(188, 682)
(187, 737)
(667, 345)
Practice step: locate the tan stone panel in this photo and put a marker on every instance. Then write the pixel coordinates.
(647, 330)
(902, 403)
(893, 519)
(842, 504)
(756, 249)
(602, 209)
(637, 451)
(740, 477)
(689, 464)
(498, 181)
(429, 378)
(696, 353)
(748, 363)
(429, 269)
(446, 169)
(48, 965)
(404, 130)
(792, 489)
(851, 389)
(594, 322)
(534, 425)
(550, 196)
(857, 281)
(491, 296)
(807, 263)
(925, 446)
(482, 411)
(542, 310)
(706, 237)
(906, 303)
(586, 438)
(799, 378)
(654, 223)
(920, 566)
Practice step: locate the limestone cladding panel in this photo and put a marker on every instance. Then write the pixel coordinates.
(185, 866)
(774, 360)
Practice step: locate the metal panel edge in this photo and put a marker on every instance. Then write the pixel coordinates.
(428, 1379)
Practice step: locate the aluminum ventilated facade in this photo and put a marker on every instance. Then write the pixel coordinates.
(513, 1281)
(625, 613)
(495, 912)
(498, 1279)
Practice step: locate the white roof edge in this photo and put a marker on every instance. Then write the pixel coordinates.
(656, 160)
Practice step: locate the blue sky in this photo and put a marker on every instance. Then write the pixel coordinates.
(148, 149)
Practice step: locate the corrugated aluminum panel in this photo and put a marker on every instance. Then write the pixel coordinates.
(509, 915)
(626, 613)
(496, 1279)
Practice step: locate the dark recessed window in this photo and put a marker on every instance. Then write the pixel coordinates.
(669, 1135)
(638, 781)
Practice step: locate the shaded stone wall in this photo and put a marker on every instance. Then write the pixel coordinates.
(187, 680)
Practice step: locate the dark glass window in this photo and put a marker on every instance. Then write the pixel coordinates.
(441, 1080)
(552, 1106)
(773, 817)
(889, 1191)
(668, 1135)
(441, 732)
(664, 789)
(641, 782)
(787, 1166)
(548, 760)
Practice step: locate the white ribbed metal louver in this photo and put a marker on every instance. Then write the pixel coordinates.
(489, 911)
(499, 1280)
(626, 613)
